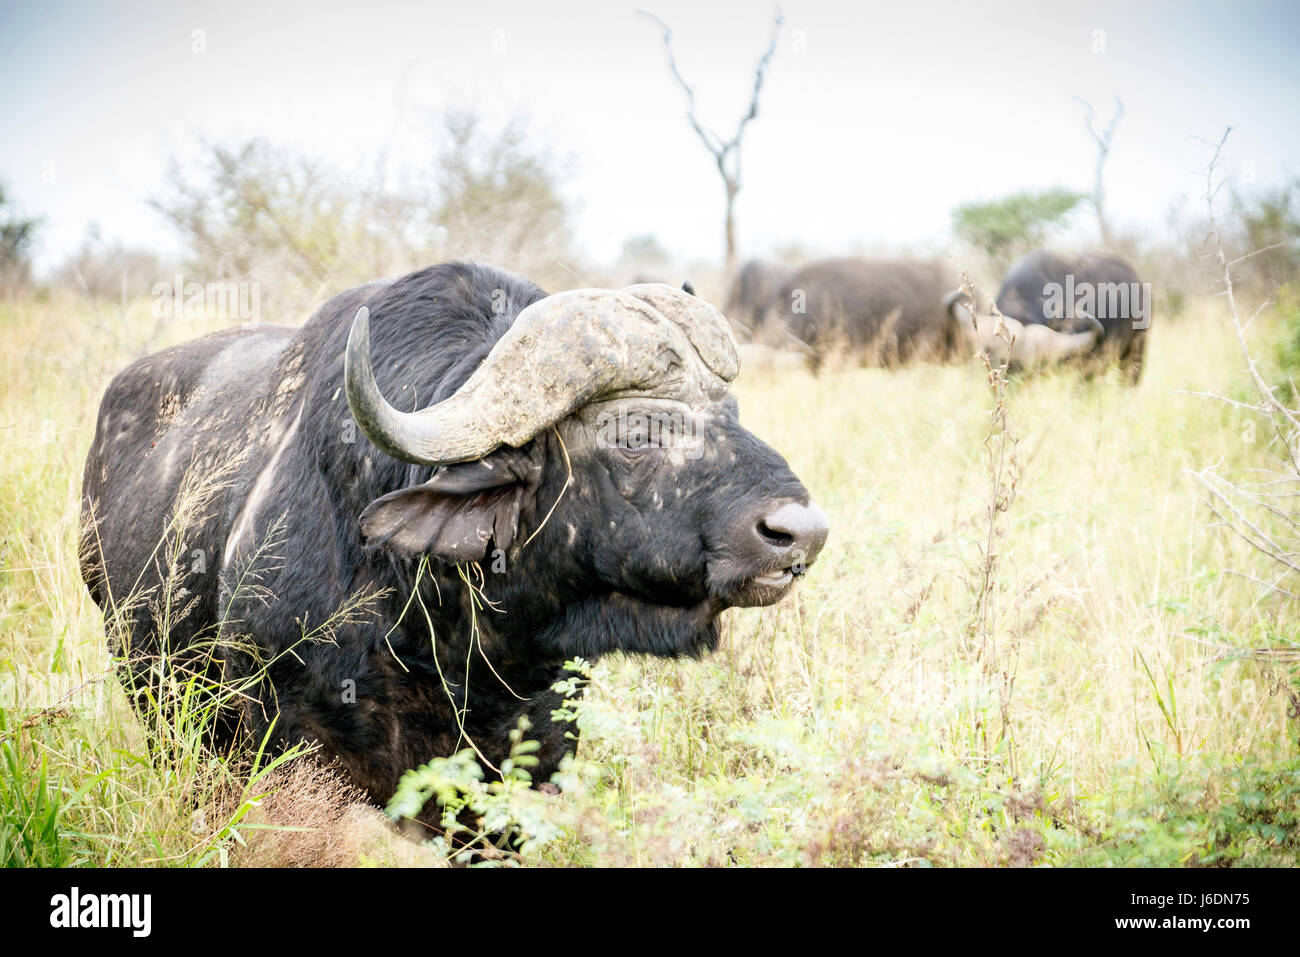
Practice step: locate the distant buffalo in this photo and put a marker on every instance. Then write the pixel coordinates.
(752, 288)
(1019, 345)
(1067, 292)
(880, 311)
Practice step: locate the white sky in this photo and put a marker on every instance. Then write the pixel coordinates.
(876, 120)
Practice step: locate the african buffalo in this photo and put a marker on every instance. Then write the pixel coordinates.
(412, 510)
(1066, 292)
(752, 288)
(1019, 345)
(882, 311)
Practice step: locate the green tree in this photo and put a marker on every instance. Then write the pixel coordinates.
(17, 234)
(1270, 235)
(1008, 227)
(644, 255)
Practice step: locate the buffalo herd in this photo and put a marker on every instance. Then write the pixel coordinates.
(383, 533)
(1087, 311)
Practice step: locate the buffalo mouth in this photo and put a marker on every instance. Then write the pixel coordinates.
(766, 588)
(765, 551)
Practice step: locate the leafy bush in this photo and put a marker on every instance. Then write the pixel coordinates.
(112, 271)
(304, 231)
(1286, 343)
(17, 234)
(1008, 227)
(1269, 225)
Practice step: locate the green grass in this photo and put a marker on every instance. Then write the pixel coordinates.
(1106, 705)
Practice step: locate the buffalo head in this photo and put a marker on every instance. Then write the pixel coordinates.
(597, 451)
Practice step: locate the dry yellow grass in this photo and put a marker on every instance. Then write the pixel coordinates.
(863, 720)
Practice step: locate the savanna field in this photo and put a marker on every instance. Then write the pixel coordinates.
(1027, 642)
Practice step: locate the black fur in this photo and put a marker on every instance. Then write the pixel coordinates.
(638, 553)
(885, 311)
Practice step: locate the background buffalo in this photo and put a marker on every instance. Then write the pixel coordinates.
(1063, 290)
(879, 311)
(751, 289)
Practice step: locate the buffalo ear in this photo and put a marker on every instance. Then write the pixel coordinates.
(460, 512)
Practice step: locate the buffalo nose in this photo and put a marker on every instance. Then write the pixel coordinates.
(799, 531)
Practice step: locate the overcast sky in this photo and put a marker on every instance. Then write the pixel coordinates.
(876, 120)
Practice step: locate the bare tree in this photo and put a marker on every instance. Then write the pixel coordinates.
(1102, 138)
(726, 153)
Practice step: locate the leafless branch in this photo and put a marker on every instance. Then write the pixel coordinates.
(726, 153)
(1270, 586)
(1266, 392)
(1103, 139)
(712, 141)
(1222, 398)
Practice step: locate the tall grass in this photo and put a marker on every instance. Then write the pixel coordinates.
(84, 777)
(1086, 697)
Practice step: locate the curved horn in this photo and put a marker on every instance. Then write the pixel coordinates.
(561, 352)
(1043, 344)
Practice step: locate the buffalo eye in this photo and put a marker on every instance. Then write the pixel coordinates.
(636, 434)
(636, 440)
